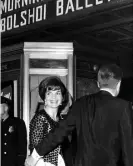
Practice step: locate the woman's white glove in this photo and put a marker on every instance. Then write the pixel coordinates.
(30, 161)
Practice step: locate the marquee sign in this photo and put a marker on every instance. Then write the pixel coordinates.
(17, 14)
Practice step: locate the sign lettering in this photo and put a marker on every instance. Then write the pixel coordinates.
(20, 13)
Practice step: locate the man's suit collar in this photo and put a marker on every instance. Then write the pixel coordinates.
(105, 92)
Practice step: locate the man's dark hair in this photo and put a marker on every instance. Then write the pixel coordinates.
(109, 72)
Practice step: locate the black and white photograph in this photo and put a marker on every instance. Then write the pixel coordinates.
(66, 96)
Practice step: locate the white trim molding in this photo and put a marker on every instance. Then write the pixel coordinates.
(38, 71)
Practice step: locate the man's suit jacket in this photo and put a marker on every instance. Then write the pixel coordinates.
(13, 142)
(104, 131)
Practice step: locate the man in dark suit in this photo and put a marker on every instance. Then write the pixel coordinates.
(13, 137)
(103, 125)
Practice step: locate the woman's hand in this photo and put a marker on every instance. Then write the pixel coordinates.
(30, 161)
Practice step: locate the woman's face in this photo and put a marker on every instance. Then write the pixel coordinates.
(53, 98)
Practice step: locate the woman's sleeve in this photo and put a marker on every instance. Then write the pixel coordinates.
(37, 130)
(57, 135)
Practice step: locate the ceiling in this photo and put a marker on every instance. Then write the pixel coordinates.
(101, 36)
(109, 31)
(113, 29)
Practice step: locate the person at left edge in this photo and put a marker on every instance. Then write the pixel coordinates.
(13, 136)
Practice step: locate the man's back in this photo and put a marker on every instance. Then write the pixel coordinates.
(104, 130)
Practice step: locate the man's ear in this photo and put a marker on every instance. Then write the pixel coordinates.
(98, 84)
(118, 84)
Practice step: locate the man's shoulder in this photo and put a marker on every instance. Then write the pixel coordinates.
(18, 120)
(84, 99)
(81, 99)
(14, 119)
(89, 98)
(121, 101)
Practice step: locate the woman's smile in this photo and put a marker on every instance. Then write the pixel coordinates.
(53, 98)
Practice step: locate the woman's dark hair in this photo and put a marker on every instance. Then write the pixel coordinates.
(54, 83)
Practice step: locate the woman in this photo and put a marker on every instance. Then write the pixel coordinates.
(55, 96)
